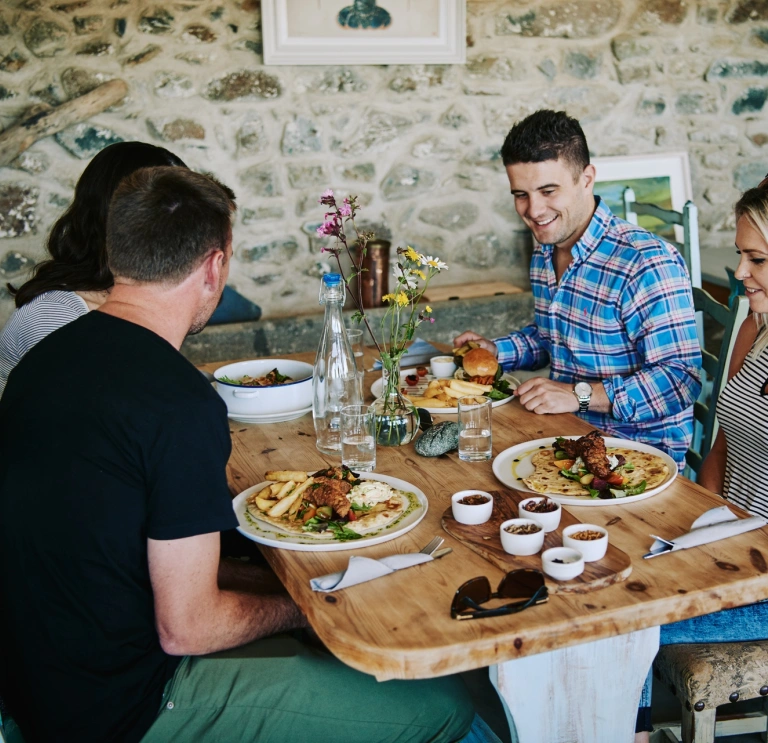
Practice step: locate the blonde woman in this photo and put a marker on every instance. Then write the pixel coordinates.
(735, 466)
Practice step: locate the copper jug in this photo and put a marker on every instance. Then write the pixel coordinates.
(375, 275)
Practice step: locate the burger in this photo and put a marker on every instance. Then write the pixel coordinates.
(480, 366)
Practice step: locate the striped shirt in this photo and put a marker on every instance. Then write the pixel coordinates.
(742, 412)
(29, 324)
(622, 315)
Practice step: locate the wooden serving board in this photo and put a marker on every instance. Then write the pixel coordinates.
(484, 539)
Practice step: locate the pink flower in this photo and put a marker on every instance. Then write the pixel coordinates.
(345, 210)
(329, 228)
(327, 198)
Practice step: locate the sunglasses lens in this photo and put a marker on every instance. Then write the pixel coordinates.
(520, 584)
(425, 419)
(476, 589)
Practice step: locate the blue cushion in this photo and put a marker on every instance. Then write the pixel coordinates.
(234, 307)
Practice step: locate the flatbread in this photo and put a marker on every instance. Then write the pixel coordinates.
(365, 523)
(547, 478)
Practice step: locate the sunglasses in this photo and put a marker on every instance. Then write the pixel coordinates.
(526, 584)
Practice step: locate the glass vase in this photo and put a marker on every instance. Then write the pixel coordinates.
(397, 420)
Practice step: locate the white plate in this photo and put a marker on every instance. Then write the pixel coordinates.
(378, 386)
(273, 537)
(271, 418)
(508, 471)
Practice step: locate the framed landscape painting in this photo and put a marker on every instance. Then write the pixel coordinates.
(663, 180)
(337, 32)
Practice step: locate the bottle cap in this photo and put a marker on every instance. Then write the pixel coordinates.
(332, 279)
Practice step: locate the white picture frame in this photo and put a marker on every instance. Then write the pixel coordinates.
(308, 32)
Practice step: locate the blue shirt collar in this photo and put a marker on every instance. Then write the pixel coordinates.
(592, 236)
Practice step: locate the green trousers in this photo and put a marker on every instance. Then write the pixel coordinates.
(278, 690)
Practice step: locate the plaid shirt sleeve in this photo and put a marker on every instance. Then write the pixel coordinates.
(658, 313)
(523, 349)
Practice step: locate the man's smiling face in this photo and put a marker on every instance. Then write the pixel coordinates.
(554, 201)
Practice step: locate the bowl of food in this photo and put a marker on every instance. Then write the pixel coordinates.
(590, 540)
(542, 509)
(265, 386)
(472, 507)
(562, 563)
(442, 366)
(521, 536)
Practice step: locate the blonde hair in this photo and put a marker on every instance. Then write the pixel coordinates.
(753, 206)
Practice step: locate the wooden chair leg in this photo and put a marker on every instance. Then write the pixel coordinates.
(698, 727)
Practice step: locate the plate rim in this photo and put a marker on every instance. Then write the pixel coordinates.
(266, 416)
(572, 500)
(282, 543)
(441, 411)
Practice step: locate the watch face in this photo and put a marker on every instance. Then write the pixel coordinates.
(582, 388)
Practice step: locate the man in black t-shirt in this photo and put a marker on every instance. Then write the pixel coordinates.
(112, 495)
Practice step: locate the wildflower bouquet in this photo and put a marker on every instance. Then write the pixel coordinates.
(413, 272)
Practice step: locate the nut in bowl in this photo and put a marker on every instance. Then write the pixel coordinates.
(472, 507)
(590, 540)
(521, 536)
(542, 509)
(562, 563)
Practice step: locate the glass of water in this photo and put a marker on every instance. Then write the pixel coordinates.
(474, 429)
(355, 336)
(358, 437)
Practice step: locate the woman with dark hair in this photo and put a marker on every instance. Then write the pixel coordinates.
(76, 278)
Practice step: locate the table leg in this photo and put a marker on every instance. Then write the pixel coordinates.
(587, 692)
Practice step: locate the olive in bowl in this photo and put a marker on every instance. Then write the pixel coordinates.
(472, 507)
(562, 563)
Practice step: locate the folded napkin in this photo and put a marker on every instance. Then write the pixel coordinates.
(717, 523)
(362, 569)
(419, 352)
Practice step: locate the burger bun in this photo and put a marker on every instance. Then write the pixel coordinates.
(479, 363)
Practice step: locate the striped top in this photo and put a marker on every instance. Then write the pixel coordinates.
(742, 412)
(29, 324)
(622, 315)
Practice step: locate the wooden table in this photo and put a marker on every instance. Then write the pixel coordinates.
(569, 670)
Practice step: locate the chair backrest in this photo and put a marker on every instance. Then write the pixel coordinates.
(715, 368)
(688, 219)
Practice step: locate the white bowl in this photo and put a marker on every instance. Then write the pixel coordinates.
(442, 366)
(592, 549)
(521, 544)
(550, 520)
(279, 398)
(472, 515)
(572, 565)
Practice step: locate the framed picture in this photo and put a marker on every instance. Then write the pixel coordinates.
(334, 32)
(663, 180)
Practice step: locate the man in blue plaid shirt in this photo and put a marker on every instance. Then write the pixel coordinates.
(614, 312)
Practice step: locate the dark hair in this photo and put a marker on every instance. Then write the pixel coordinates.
(546, 135)
(77, 243)
(163, 221)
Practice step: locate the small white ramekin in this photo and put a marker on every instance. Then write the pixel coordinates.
(550, 521)
(593, 549)
(521, 544)
(471, 515)
(562, 570)
(442, 366)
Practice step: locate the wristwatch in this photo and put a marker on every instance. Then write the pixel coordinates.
(583, 392)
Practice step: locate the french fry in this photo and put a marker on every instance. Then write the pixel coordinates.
(455, 393)
(286, 475)
(434, 384)
(300, 491)
(285, 490)
(275, 488)
(283, 505)
(264, 504)
(266, 493)
(435, 403)
(470, 388)
(432, 392)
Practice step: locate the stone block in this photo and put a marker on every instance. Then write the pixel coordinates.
(473, 180)
(145, 55)
(696, 102)
(14, 263)
(266, 279)
(251, 136)
(434, 148)
(569, 19)
(302, 175)
(32, 162)
(662, 11)
(85, 140)
(547, 68)
(275, 251)
(70, 7)
(456, 216)
(96, 49)
(651, 105)
(156, 20)
(748, 175)
(707, 15)
(262, 180)
(88, 24)
(403, 181)
(375, 133)
(333, 80)
(172, 130)
(197, 33)
(13, 61)
(484, 251)
(18, 213)
(748, 10)
(45, 38)
(4, 28)
(301, 136)
(581, 65)
(173, 85)
(727, 68)
(627, 46)
(751, 100)
(633, 71)
(77, 81)
(499, 68)
(420, 78)
(261, 214)
(455, 117)
(757, 131)
(120, 25)
(6, 93)
(364, 172)
(715, 134)
(244, 85)
(760, 36)
(317, 269)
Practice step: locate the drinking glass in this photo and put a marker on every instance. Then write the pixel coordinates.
(355, 337)
(474, 429)
(358, 437)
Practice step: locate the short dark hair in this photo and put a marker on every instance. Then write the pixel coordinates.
(163, 221)
(546, 135)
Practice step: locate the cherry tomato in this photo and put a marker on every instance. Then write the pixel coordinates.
(615, 479)
(352, 516)
(411, 380)
(421, 371)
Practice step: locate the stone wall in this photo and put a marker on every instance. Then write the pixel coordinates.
(418, 144)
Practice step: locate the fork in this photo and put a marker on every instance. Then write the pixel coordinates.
(432, 546)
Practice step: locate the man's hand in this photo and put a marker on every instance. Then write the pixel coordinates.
(468, 335)
(542, 395)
